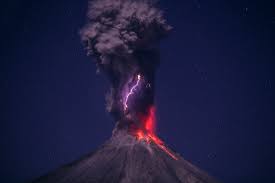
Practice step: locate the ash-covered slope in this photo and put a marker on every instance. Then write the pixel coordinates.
(125, 159)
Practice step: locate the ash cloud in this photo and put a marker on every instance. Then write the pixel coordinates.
(122, 35)
(121, 27)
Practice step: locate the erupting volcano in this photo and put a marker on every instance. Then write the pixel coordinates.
(122, 37)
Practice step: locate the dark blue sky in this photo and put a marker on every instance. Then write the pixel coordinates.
(215, 88)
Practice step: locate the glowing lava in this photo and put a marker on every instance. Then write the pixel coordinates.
(131, 92)
(147, 132)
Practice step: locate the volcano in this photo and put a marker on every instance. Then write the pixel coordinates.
(122, 36)
(128, 159)
(131, 155)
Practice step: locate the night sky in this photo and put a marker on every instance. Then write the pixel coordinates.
(215, 88)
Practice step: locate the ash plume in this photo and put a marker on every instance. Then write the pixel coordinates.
(122, 35)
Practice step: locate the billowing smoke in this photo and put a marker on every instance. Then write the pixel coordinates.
(122, 35)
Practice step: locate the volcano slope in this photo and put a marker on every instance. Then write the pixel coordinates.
(125, 158)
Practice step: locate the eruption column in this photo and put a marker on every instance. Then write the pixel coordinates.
(122, 35)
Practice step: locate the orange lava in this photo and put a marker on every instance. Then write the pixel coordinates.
(147, 131)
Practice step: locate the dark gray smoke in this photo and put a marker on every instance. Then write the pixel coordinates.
(122, 36)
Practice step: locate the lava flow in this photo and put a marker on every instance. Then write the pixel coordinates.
(147, 132)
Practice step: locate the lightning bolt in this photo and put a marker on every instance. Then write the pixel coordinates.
(131, 92)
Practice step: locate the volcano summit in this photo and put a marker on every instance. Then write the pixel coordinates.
(122, 37)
